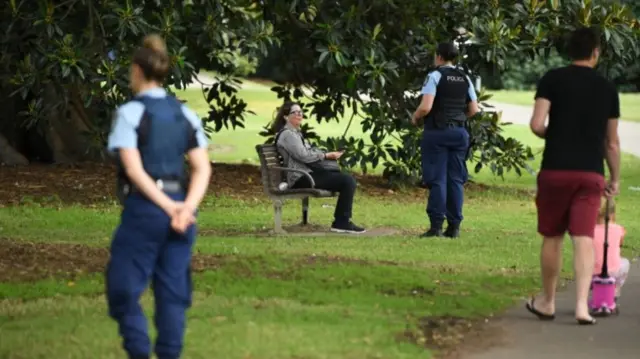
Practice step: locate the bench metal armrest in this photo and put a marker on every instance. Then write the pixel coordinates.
(285, 169)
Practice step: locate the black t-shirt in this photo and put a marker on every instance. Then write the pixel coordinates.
(582, 102)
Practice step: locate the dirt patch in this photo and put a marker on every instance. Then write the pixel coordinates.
(265, 231)
(93, 184)
(23, 261)
(310, 230)
(26, 261)
(446, 334)
(315, 260)
(323, 231)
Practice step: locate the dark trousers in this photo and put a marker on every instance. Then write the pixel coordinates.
(145, 249)
(339, 182)
(444, 173)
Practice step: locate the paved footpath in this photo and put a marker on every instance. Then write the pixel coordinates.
(521, 115)
(616, 337)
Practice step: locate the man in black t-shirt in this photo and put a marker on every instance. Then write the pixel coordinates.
(583, 109)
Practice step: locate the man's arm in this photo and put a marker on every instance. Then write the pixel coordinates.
(612, 149)
(540, 112)
(543, 97)
(612, 144)
(428, 95)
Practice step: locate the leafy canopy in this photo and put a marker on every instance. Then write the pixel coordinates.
(366, 59)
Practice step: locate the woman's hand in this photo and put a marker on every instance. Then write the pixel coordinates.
(333, 155)
(183, 217)
(170, 207)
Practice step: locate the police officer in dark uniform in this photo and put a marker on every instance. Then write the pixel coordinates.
(151, 135)
(448, 98)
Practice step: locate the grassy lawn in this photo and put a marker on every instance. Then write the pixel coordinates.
(269, 299)
(629, 102)
(298, 296)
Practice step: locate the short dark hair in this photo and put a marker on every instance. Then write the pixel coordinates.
(447, 50)
(582, 42)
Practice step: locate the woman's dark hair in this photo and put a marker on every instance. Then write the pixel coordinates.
(153, 58)
(447, 50)
(280, 121)
(582, 43)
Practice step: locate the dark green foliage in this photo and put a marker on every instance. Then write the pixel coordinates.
(363, 57)
(372, 57)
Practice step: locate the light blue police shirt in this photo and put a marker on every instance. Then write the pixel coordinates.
(128, 116)
(431, 83)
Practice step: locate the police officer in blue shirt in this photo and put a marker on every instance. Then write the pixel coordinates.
(448, 98)
(151, 135)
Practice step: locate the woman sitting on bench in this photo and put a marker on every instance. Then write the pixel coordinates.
(322, 166)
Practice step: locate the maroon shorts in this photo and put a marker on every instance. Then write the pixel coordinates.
(568, 200)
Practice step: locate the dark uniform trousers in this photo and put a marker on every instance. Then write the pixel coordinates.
(444, 146)
(444, 172)
(145, 249)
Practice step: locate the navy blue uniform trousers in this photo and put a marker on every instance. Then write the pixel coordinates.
(145, 249)
(444, 173)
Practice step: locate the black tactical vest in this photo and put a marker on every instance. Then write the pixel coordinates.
(450, 102)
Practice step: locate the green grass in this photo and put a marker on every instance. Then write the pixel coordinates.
(266, 299)
(629, 102)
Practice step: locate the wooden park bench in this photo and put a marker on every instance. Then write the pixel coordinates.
(273, 173)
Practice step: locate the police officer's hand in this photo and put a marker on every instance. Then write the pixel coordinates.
(415, 121)
(170, 207)
(182, 218)
(333, 155)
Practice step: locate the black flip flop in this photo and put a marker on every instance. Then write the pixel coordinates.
(531, 308)
(591, 321)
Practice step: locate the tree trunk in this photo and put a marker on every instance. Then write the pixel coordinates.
(9, 155)
(67, 128)
(60, 138)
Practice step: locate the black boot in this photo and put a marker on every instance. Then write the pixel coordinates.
(453, 231)
(432, 232)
